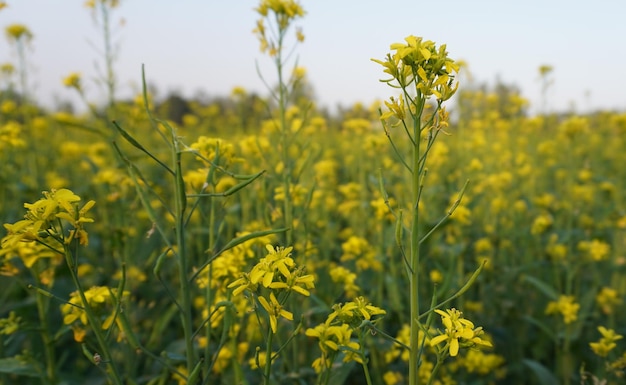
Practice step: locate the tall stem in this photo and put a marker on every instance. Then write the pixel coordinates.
(415, 258)
(108, 57)
(282, 112)
(185, 290)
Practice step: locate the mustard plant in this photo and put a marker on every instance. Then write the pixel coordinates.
(101, 14)
(269, 284)
(276, 21)
(546, 81)
(180, 206)
(335, 337)
(58, 224)
(424, 74)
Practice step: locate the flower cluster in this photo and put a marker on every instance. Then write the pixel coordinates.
(606, 343)
(47, 218)
(278, 272)
(97, 299)
(459, 333)
(566, 306)
(285, 12)
(17, 32)
(335, 335)
(422, 63)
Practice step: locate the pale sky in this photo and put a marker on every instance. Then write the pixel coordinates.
(193, 45)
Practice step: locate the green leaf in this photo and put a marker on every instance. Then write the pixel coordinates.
(541, 326)
(135, 143)
(542, 287)
(340, 373)
(17, 366)
(543, 375)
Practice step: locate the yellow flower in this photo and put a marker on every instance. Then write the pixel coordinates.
(298, 282)
(606, 343)
(242, 284)
(422, 63)
(110, 3)
(178, 378)
(97, 297)
(10, 324)
(332, 339)
(18, 31)
(359, 249)
(393, 378)
(284, 12)
(274, 310)
(340, 274)
(329, 336)
(545, 69)
(277, 260)
(396, 109)
(541, 224)
(608, 300)
(288, 8)
(353, 313)
(595, 249)
(566, 307)
(41, 220)
(72, 80)
(458, 332)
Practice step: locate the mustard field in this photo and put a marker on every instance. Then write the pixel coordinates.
(442, 236)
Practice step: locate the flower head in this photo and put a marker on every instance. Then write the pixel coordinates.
(284, 12)
(606, 343)
(274, 310)
(459, 332)
(73, 80)
(421, 63)
(566, 306)
(42, 218)
(17, 32)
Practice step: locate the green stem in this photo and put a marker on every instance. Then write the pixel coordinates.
(366, 370)
(209, 290)
(181, 256)
(433, 374)
(94, 321)
(108, 56)
(48, 341)
(285, 140)
(415, 252)
(268, 356)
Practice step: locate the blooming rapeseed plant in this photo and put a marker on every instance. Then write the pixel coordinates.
(285, 11)
(10, 324)
(270, 283)
(335, 335)
(17, 32)
(608, 300)
(45, 217)
(459, 332)
(606, 343)
(73, 80)
(596, 250)
(274, 310)
(566, 306)
(96, 297)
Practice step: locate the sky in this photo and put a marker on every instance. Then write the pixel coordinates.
(192, 46)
